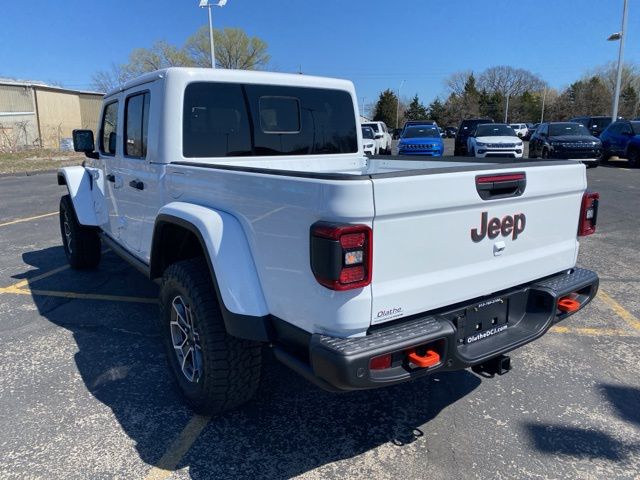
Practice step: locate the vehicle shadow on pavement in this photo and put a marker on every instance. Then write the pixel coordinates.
(290, 427)
(625, 400)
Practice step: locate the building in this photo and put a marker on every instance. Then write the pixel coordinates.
(38, 115)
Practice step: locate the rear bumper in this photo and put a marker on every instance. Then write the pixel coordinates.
(344, 364)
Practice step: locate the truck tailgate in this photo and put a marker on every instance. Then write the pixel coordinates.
(425, 255)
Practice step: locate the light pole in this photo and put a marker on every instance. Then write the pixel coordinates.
(613, 37)
(207, 5)
(544, 97)
(398, 104)
(506, 110)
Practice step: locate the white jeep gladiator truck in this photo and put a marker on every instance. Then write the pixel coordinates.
(247, 196)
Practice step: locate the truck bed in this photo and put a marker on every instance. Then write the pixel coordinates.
(339, 168)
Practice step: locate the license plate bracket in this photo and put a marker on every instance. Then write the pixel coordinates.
(485, 319)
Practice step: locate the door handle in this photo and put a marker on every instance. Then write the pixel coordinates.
(111, 178)
(137, 184)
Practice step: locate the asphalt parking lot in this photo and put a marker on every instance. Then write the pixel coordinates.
(84, 391)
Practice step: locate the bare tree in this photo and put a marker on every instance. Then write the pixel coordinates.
(457, 82)
(509, 81)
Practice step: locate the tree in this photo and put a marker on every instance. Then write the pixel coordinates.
(629, 100)
(386, 107)
(416, 110)
(510, 81)
(438, 112)
(233, 47)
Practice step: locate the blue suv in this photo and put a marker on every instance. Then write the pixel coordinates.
(421, 140)
(622, 139)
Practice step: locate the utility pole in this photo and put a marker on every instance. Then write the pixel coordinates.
(544, 97)
(619, 36)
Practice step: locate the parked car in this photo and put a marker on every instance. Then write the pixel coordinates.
(382, 136)
(567, 140)
(442, 134)
(451, 131)
(494, 140)
(595, 124)
(466, 127)
(621, 139)
(246, 196)
(368, 141)
(421, 140)
(521, 129)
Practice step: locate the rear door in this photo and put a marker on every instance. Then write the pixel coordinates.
(437, 242)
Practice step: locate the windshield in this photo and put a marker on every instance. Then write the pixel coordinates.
(374, 126)
(421, 131)
(558, 129)
(599, 122)
(515, 125)
(367, 132)
(495, 130)
(636, 128)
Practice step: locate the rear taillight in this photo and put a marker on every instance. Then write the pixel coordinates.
(341, 255)
(588, 213)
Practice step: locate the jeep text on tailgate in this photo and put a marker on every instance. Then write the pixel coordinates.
(247, 196)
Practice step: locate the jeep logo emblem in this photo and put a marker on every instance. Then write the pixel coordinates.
(509, 225)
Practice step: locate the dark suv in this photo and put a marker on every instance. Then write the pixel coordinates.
(595, 125)
(566, 140)
(466, 127)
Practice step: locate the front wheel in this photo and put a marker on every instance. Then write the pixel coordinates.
(81, 244)
(214, 371)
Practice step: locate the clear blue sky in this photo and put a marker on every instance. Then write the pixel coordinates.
(376, 43)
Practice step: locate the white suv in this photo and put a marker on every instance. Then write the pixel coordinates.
(382, 136)
(521, 129)
(494, 140)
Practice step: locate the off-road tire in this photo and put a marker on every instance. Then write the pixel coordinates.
(81, 244)
(633, 157)
(230, 366)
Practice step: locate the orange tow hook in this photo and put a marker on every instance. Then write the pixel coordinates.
(568, 304)
(429, 359)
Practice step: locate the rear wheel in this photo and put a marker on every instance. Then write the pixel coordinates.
(634, 157)
(214, 371)
(82, 245)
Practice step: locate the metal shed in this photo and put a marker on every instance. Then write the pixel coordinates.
(38, 115)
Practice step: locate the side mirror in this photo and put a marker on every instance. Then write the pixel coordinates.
(83, 141)
(378, 135)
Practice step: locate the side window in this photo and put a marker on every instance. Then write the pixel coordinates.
(625, 129)
(615, 129)
(136, 125)
(109, 128)
(215, 122)
(279, 114)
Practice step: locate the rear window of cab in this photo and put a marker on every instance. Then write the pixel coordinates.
(231, 119)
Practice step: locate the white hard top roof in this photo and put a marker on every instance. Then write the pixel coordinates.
(188, 75)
